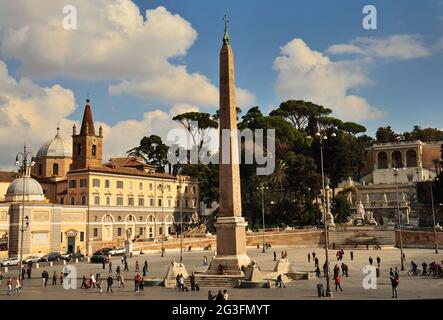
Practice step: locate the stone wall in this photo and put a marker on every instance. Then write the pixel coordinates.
(418, 239)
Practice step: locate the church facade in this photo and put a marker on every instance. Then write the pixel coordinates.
(74, 201)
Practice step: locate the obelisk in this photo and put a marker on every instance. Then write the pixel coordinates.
(230, 225)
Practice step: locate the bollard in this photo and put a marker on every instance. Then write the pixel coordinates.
(76, 260)
(89, 259)
(51, 264)
(37, 265)
(64, 262)
(6, 270)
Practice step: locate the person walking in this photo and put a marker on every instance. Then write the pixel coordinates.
(309, 257)
(117, 270)
(370, 260)
(9, 285)
(275, 256)
(181, 282)
(122, 259)
(137, 282)
(84, 284)
(126, 266)
(219, 296)
(110, 266)
(316, 262)
(110, 282)
(144, 270)
(136, 266)
(92, 281)
(23, 272)
(337, 282)
(18, 285)
(54, 278)
(378, 261)
(352, 255)
(192, 278)
(61, 277)
(122, 281)
(28, 272)
(313, 255)
(210, 295)
(99, 285)
(45, 278)
(317, 272)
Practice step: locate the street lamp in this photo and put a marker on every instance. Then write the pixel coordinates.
(262, 188)
(399, 219)
(25, 167)
(433, 214)
(163, 221)
(180, 181)
(321, 138)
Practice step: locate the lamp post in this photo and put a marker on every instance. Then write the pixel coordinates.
(321, 138)
(433, 214)
(399, 219)
(25, 167)
(180, 180)
(262, 188)
(163, 222)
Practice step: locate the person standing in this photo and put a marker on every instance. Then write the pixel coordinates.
(225, 295)
(394, 283)
(219, 296)
(122, 281)
(370, 260)
(110, 282)
(54, 278)
(117, 270)
(316, 262)
(122, 259)
(136, 282)
(29, 271)
(378, 261)
(210, 295)
(84, 284)
(110, 266)
(61, 278)
(309, 257)
(313, 255)
(136, 266)
(23, 272)
(9, 285)
(45, 278)
(92, 281)
(104, 263)
(337, 282)
(205, 260)
(99, 285)
(275, 256)
(126, 266)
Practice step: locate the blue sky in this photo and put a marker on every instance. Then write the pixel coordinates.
(392, 86)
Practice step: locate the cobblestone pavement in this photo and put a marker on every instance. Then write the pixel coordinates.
(409, 287)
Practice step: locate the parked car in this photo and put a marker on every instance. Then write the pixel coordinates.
(53, 256)
(105, 251)
(68, 256)
(13, 261)
(99, 258)
(31, 259)
(117, 251)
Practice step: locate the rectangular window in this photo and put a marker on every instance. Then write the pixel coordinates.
(97, 200)
(141, 202)
(119, 232)
(169, 187)
(62, 200)
(61, 237)
(159, 202)
(83, 200)
(140, 186)
(82, 183)
(130, 185)
(108, 200)
(96, 183)
(130, 201)
(82, 236)
(119, 184)
(72, 201)
(107, 183)
(141, 231)
(150, 187)
(160, 230)
(169, 202)
(95, 232)
(72, 184)
(119, 201)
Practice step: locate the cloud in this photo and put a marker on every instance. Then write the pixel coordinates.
(29, 113)
(310, 75)
(401, 47)
(114, 43)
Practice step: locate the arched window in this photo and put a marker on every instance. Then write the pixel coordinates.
(382, 159)
(397, 161)
(55, 169)
(79, 149)
(411, 158)
(94, 150)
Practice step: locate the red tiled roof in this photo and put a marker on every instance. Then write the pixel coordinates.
(127, 162)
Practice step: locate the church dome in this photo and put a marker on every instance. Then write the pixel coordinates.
(57, 147)
(33, 190)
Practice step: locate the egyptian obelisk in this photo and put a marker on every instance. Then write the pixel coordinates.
(230, 225)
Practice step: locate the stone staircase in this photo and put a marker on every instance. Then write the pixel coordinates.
(214, 281)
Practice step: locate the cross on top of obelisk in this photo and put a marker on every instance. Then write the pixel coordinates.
(226, 36)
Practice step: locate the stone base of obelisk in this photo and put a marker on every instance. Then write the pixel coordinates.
(231, 247)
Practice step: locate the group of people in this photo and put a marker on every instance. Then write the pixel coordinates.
(180, 282)
(220, 295)
(10, 283)
(433, 269)
(339, 254)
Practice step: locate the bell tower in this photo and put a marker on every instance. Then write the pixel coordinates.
(87, 148)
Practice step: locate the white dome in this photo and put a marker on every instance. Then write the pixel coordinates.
(57, 147)
(33, 190)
